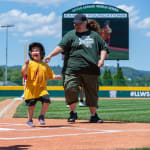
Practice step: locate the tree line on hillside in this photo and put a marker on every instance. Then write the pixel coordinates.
(106, 79)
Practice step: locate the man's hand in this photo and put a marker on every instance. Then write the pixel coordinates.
(57, 77)
(47, 59)
(100, 63)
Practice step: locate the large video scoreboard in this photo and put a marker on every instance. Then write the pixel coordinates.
(114, 24)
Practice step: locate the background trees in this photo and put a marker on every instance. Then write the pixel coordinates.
(110, 76)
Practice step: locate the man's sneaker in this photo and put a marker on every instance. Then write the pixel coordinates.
(30, 123)
(95, 119)
(73, 117)
(41, 120)
(82, 103)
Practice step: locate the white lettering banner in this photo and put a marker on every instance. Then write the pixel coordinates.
(99, 15)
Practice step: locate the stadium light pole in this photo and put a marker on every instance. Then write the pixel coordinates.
(6, 26)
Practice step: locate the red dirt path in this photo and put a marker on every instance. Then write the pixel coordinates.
(57, 134)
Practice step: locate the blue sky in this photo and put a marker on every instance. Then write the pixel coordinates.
(40, 20)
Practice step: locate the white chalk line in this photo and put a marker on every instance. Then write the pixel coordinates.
(5, 129)
(51, 136)
(33, 129)
(72, 134)
(12, 124)
(8, 106)
(90, 132)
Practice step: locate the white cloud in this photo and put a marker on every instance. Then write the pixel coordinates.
(148, 34)
(145, 23)
(133, 14)
(134, 19)
(98, 2)
(34, 24)
(42, 3)
(82, 3)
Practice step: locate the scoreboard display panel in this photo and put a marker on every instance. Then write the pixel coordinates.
(114, 25)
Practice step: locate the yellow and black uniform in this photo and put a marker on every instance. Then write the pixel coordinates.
(37, 75)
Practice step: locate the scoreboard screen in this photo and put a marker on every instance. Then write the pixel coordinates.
(114, 26)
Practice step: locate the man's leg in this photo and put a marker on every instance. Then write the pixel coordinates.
(73, 107)
(92, 110)
(71, 88)
(94, 117)
(90, 83)
(73, 113)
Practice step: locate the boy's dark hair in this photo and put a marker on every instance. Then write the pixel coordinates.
(39, 45)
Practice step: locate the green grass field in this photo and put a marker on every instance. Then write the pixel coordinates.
(3, 98)
(128, 110)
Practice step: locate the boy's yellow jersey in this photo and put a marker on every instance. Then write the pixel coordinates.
(37, 75)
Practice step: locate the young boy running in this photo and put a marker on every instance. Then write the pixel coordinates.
(37, 74)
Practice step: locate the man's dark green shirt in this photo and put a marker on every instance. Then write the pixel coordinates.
(82, 52)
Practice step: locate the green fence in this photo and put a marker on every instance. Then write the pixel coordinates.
(108, 82)
(104, 91)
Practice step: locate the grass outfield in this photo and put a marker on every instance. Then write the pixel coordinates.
(128, 110)
(140, 149)
(4, 98)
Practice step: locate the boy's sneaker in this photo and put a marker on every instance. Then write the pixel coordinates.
(73, 117)
(30, 123)
(95, 119)
(82, 103)
(41, 120)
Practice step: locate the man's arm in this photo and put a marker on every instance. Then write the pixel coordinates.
(103, 56)
(55, 52)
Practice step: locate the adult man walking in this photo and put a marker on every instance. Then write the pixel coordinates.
(84, 53)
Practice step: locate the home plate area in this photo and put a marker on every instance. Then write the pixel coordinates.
(12, 131)
(72, 136)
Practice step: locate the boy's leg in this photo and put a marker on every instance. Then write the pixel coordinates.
(31, 111)
(30, 116)
(44, 108)
(31, 106)
(45, 104)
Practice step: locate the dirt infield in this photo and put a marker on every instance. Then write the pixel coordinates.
(8, 107)
(58, 134)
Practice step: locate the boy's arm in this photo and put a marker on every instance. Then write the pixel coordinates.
(24, 69)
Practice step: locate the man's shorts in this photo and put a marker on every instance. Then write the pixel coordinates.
(72, 83)
(42, 99)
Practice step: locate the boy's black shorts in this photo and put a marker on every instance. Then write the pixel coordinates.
(42, 99)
